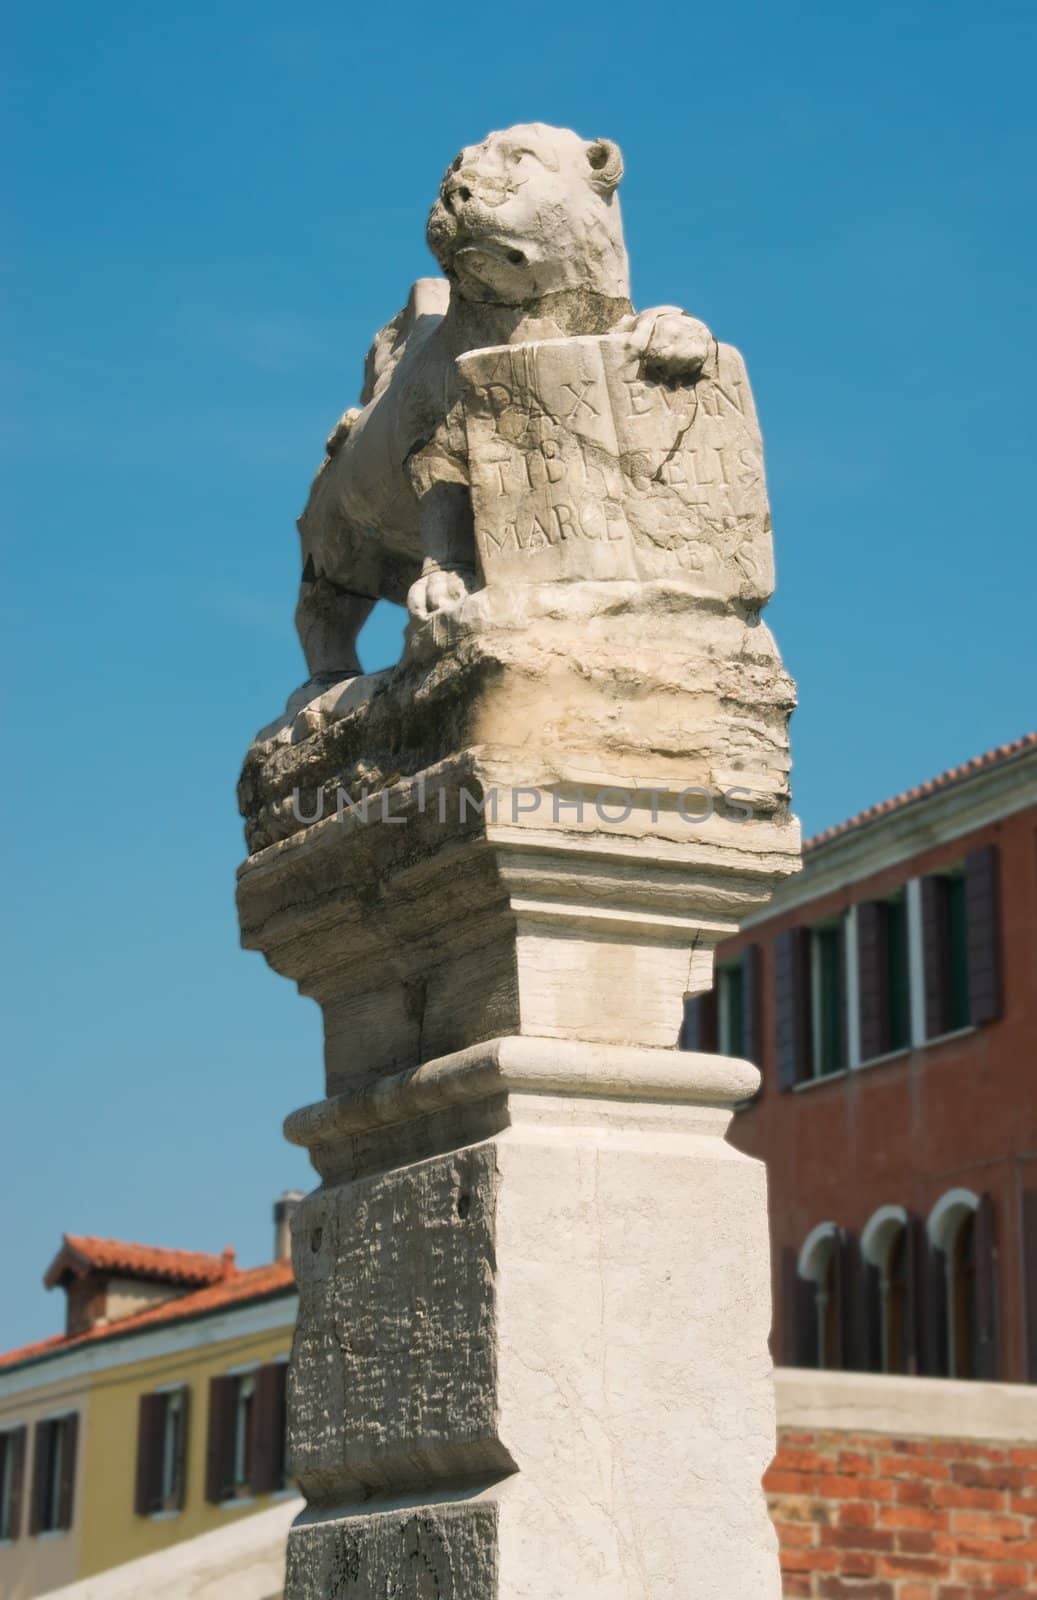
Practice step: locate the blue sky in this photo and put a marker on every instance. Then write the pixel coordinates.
(213, 209)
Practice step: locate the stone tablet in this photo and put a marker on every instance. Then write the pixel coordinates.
(581, 467)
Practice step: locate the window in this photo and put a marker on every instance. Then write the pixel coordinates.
(730, 1002)
(727, 1017)
(946, 953)
(883, 976)
(810, 1003)
(12, 1472)
(884, 1248)
(162, 1451)
(961, 939)
(812, 1311)
(54, 1473)
(246, 1441)
(827, 1000)
(244, 1419)
(965, 1286)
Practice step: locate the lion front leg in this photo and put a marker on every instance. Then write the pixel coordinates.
(447, 528)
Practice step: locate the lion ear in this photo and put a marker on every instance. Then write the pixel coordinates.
(606, 164)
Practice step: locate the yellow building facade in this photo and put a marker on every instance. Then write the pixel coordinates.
(133, 1431)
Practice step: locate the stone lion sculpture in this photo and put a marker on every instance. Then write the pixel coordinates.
(527, 230)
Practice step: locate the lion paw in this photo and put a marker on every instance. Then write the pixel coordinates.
(441, 589)
(676, 345)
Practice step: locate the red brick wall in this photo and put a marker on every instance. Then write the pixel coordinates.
(861, 1516)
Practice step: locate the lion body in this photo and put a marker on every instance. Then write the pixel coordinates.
(528, 231)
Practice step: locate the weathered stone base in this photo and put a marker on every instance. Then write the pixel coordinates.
(531, 1358)
(443, 1550)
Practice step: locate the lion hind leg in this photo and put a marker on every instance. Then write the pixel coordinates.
(328, 620)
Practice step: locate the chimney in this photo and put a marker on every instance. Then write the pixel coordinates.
(284, 1208)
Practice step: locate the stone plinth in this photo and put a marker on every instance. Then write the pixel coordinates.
(508, 834)
(531, 1357)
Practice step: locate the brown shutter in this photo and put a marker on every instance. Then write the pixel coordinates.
(925, 1332)
(151, 1417)
(17, 1444)
(1029, 1260)
(700, 1022)
(871, 977)
(988, 1299)
(937, 1333)
(752, 995)
(935, 956)
(983, 919)
(67, 1483)
(869, 1303)
(836, 1357)
(42, 1447)
(219, 1455)
(268, 1437)
(851, 1318)
(798, 1314)
(792, 1006)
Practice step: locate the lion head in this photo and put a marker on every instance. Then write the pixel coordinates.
(529, 212)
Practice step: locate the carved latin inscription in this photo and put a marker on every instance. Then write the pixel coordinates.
(582, 467)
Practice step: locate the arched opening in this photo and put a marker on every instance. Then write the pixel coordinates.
(884, 1248)
(818, 1267)
(952, 1233)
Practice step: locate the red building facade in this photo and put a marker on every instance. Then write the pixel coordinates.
(889, 996)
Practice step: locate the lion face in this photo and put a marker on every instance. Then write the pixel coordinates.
(529, 212)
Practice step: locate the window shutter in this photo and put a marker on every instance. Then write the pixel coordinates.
(925, 1321)
(850, 1288)
(151, 1416)
(798, 1314)
(42, 1447)
(988, 1300)
(792, 1006)
(870, 1349)
(1029, 1254)
(752, 996)
(983, 922)
(67, 1485)
(268, 1439)
(871, 977)
(219, 1454)
(17, 1444)
(700, 1022)
(789, 1308)
(916, 1360)
(835, 1358)
(935, 956)
(937, 1334)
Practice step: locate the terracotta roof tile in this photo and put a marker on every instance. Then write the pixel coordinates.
(238, 1289)
(81, 1253)
(953, 775)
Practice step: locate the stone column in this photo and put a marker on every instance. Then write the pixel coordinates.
(531, 1358)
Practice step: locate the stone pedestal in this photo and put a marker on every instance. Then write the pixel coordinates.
(531, 1357)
